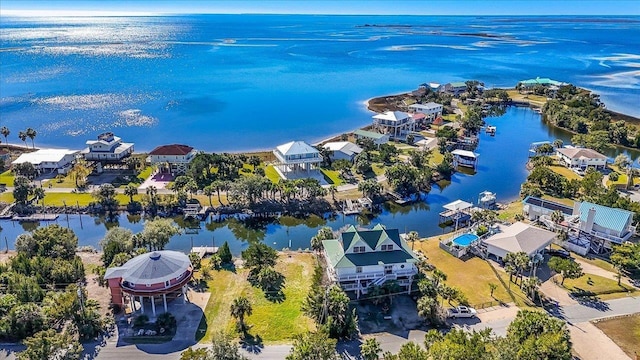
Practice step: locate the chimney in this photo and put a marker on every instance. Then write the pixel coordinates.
(576, 208)
(588, 224)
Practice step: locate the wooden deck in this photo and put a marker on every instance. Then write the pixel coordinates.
(202, 251)
(36, 217)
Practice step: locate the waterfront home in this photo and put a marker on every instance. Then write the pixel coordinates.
(107, 148)
(431, 110)
(465, 158)
(581, 158)
(534, 207)
(57, 161)
(538, 81)
(601, 226)
(296, 156)
(173, 159)
(150, 277)
(395, 123)
(342, 150)
(457, 212)
(454, 88)
(518, 237)
(360, 259)
(377, 138)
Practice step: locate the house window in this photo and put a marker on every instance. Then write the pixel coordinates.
(358, 269)
(359, 249)
(148, 285)
(386, 247)
(167, 283)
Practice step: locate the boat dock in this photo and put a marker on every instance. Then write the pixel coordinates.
(398, 198)
(36, 217)
(203, 251)
(356, 206)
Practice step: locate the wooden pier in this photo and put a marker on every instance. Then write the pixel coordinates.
(203, 251)
(36, 217)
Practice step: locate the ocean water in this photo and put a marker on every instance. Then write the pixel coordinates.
(245, 82)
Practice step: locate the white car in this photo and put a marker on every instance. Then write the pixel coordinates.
(462, 312)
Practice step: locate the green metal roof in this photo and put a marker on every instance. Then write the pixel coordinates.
(608, 218)
(369, 134)
(458, 84)
(542, 81)
(335, 249)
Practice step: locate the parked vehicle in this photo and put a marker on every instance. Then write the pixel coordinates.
(462, 312)
(559, 253)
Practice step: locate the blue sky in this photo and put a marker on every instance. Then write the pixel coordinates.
(399, 7)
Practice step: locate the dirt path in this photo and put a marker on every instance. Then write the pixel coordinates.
(592, 344)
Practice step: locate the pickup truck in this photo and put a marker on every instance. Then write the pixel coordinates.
(462, 312)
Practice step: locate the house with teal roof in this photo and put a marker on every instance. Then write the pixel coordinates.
(360, 259)
(603, 226)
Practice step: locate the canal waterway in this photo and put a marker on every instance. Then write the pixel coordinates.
(501, 170)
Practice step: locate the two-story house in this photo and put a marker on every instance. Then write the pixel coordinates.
(431, 110)
(58, 161)
(395, 123)
(172, 159)
(108, 148)
(296, 156)
(581, 158)
(360, 259)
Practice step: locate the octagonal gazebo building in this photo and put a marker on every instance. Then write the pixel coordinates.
(151, 276)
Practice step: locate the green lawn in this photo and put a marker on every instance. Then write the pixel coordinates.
(624, 331)
(81, 199)
(378, 168)
(274, 322)
(332, 176)
(271, 174)
(67, 182)
(472, 277)
(144, 174)
(436, 157)
(513, 208)
(565, 172)
(594, 285)
(7, 178)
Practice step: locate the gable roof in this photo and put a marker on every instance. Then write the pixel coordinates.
(173, 149)
(392, 116)
(606, 217)
(296, 148)
(581, 153)
(521, 237)
(346, 147)
(335, 249)
(369, 134)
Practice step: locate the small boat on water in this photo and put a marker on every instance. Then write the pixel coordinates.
(491, 130)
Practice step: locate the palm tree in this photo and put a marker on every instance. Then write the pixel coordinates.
(557, 217)
(38, 194)
(5, 132)
(332, 190)
(31, 134)
(130, 191)
(239, 308)
(208, 191)
(23, 136)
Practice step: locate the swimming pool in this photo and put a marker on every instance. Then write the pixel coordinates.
(465, 239)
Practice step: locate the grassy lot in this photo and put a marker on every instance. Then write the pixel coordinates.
(7, 178)
(82, 199)
(565, 172)
(145, 173)
(271, 174)
(624, 331)
(449, 117)
(332, 176)
(7, 197)
(436, 157)
(472, 277)
(594, 285)
(532, 99)
(509, 214)
(378, 168)
(274, 322)
(204, 199)
(564, 201)
(65, 182)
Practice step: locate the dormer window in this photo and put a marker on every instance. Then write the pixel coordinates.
(386, 247)
(359, 249)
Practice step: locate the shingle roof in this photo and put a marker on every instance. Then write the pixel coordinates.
(173, 149)
(576, 153)
(346, 147)
(151, 268)
(296, 148)
(606, 217)
(521, 237)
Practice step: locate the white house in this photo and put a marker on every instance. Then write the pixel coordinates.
(431, 110)
(173, 158)
(296, 156)
(342, 150)
(49, 160)
(360, 259)
(378, 139)
(518, 237)
(108, 148)
(534, 207)
(395, 123)
(454, 88)
(581, 158)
